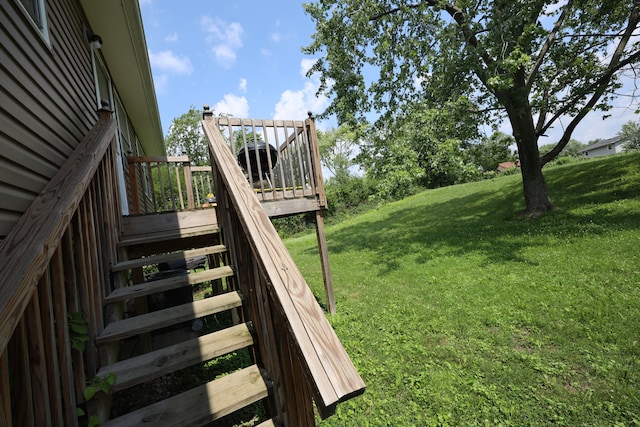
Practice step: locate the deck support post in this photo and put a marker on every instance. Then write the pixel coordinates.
(324, 261)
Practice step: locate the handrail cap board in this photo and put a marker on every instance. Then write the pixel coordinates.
(26, 251)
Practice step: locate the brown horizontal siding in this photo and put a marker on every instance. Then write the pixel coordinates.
(47, 100)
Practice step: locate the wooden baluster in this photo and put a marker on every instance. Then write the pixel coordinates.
(189, 186)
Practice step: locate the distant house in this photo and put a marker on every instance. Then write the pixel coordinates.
(506, 165)
(604, 147)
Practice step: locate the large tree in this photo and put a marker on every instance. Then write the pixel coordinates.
(534, 60)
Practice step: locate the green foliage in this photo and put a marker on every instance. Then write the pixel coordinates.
(425, 147)
(78, 330)
(491, 151)
(96, 384)
(337, 147)
(99, 384)
(533, 62)
(631, 133)
(458, 313)
(570, 150)
(347, 195)
(186, 136)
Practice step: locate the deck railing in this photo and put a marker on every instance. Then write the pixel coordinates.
(167, 184)
(54, 272)
(295, 341)
(289, 182)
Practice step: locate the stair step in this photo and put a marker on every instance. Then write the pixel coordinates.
(175, 256)
(157, 286)
(169, 316)
(170, 235)
(269, 423)
(202, 404)
(152, 365)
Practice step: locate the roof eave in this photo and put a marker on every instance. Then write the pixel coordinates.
(125, 52)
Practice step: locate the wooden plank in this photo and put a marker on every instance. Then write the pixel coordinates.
(149, 366)
(22, 388)
(158, 159)
(175, 256)
(175, 282)
(166, 221)
(170, 235)
(25, 253)
(50, 350)
(324, 262)
(5, 390)
(37, 360)
(202, 404)
(186, 168)
(232, 121)
(63, 339)
(169, 316)
(331, 371)
(289, 207)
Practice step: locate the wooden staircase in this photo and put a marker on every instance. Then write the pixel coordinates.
(159, 329)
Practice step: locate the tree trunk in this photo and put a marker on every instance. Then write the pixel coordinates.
(536, 196)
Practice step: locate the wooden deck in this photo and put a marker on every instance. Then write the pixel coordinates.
(87, 293)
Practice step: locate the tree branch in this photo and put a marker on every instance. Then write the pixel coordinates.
(599, 85)
(547, 45)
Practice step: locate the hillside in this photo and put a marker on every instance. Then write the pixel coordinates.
(457, 311)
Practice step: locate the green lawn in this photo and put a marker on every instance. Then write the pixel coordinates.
(458, 312)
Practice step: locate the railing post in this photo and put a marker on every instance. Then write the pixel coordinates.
(133, 182)
(312, 135)
(186, 166)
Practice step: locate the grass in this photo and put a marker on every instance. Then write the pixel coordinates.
(457, 312)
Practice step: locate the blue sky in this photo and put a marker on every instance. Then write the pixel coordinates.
(241, 58)
(245, 59)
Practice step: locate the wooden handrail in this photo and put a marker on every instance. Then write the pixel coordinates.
(27, 250)
(329, 370)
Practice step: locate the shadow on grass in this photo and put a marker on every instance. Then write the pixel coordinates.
(483, 218)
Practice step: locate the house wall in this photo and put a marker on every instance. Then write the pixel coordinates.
(48, 99)
(606, 150)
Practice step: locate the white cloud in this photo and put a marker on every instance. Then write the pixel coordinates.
(275, 37)
(237, 106)
(294, 104)
(266, 53)
(225, 39)
(243, 85)
(168, 62)
(305, 65)
(173, 37)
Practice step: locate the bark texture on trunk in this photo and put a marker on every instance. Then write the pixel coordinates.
(536, 196)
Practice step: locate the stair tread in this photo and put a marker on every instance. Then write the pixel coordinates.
(169, 316)
(269, 423)
(202, 404)
(170, 235)
(157, 286)
(156, 259)
(152, 365)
